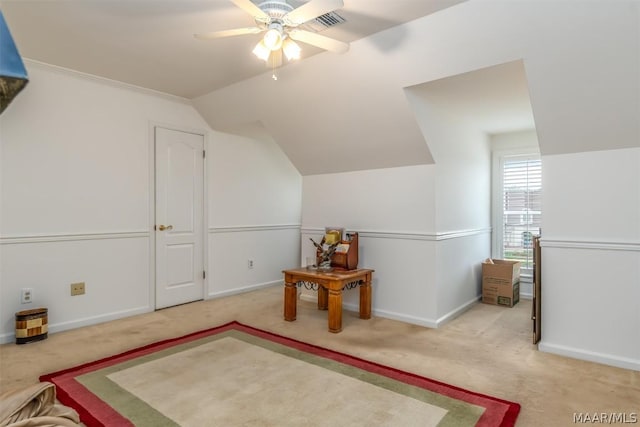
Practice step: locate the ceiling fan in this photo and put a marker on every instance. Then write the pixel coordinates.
(280, 21)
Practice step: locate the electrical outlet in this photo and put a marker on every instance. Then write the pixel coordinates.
(26, 296)
(77, 289)
(249, 263)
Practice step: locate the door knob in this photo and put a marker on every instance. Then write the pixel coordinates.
(165, 227)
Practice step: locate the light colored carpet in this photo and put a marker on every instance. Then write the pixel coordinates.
(237, 375)
(487, 349)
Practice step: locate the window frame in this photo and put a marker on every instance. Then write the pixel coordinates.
(497, 188)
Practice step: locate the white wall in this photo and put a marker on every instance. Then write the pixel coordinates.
(251, 183)
(463, 170)
(462, 197)
(592, 197)
(254, 213)
(422, 275)
(392, 210)
(517, 140)
(591, 256)
(462, 205)
(75, 200)
(459, 272)
(398, 200)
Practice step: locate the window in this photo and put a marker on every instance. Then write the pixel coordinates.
(517, 208)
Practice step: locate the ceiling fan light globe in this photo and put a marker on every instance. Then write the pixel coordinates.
(273, 39)
(291, 49)
(262, 51)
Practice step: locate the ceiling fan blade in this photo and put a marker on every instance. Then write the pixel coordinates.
(228, 33)
(311, 10)
(253, 10)
(323, 42)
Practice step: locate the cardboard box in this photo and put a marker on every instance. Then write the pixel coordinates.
(506, 295)
(501, 282)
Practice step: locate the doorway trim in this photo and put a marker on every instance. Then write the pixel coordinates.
(152, 206)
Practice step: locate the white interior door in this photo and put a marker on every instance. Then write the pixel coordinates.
(179, 213)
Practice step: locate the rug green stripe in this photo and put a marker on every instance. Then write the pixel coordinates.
(127, 404)
(459, 413)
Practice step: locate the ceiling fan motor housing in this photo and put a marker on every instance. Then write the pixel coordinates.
(276, 9)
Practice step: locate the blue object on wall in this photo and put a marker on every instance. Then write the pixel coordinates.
(13, 75)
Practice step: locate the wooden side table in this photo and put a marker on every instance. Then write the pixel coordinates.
(329, 286)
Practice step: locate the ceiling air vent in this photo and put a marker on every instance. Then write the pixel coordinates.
(325, 21)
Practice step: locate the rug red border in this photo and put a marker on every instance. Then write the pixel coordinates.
(95, 413)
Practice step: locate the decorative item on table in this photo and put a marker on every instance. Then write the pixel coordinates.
(311, 263)
(346, 254)
(333, 235)
(324, 252)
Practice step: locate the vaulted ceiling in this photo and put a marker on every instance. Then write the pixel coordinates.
(328, 112)
(150, 43)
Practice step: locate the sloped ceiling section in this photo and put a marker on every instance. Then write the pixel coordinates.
(334, 113)
(491, 100)
(329, 113)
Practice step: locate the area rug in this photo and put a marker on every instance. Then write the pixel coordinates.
(237, 375)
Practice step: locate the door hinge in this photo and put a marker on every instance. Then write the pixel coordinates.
(204, 154)
(204, 274)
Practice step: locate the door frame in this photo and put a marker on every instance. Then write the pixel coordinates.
(152, 207)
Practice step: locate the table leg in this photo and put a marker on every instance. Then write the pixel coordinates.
(290, 301)
(335, 310)
(365, 298)
(322, 298)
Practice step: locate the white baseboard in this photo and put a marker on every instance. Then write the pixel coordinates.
(420, 321)
(590, 356)
(426, 322)
(429, 323)
(457, 311)
(87, 321)
(244, 289)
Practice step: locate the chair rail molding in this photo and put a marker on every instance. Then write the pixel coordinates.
(250, 228)
(606, 245)
(72, 237)
(408, 235)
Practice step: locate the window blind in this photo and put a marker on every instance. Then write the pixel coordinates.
(522, 207)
